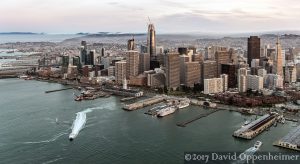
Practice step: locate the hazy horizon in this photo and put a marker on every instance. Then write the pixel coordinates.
(131, 16)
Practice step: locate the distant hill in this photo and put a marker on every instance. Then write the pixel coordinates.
(20, 33)
(106, 34)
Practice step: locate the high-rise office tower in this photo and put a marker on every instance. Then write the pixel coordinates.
(222, 57)
(83, 52)
(290, 74)
(278, 67)
(242, 79)
(253, 48)
(120, 71)
(191, 73)
(172, 70)
(224, 78)
(132, 60)
(151, 41)
(230, 70)
(102, 52)
(144, 62)
(209, 70)
(130, 44)
(90, 58)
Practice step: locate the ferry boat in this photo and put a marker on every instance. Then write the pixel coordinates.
(257, 144)
(166, 111)
(248, 153)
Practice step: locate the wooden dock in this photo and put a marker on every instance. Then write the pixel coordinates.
(58, 90)
(184, 123)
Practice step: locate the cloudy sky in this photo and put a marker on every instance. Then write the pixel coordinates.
(169, 16)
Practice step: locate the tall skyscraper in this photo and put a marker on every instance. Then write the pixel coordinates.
(278, 67)
(222, 57)
(83, 52)
(132, 60)
(253, 48)
(242, 79)
(209, 70)
(230, 70)
(130, 44)
(191, 73)
(144, 62)
(120, 71)
(172, 70)
(151, 41)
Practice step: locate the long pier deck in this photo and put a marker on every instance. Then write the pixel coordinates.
(56, 90)
(184, 123)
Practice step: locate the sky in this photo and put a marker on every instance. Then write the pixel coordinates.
(168, 16)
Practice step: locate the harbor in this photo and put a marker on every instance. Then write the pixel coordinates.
(111, 123)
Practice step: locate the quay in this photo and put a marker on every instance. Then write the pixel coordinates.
(58, 90)
(144, 103)
(127, 99)
(256, 127)
(123, 92)
(184, 123)
(203, 103)
(291, 140)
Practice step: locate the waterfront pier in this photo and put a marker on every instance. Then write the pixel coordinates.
(256, 127)
(144, 103)
(291, 140)
(56, 90)
(184, 123)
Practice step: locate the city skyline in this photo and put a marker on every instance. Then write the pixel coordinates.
(211, 16)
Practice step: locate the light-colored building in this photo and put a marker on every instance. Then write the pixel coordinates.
(273, 81)
(224, 78)
(262, 72)
(214, 85)
(132, 66)
(105, 61)
(120, 71)
(278, 64)
(111, 70)
(156, 80)
(255, 82)
(172, 62)
(192, 73)
(242, 79)
(255, 63)
(290, 74)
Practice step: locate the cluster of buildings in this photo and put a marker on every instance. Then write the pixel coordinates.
(213, 69)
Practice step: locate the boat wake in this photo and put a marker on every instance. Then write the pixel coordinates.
(54, 138)
(79, 122)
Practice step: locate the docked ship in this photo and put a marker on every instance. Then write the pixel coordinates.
(183, 103)
(166, 111)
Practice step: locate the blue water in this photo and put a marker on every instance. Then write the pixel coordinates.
(29, 132)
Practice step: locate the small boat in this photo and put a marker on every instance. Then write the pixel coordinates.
(78, 98)
(275, 124)
(247, 122)
(257, 144)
